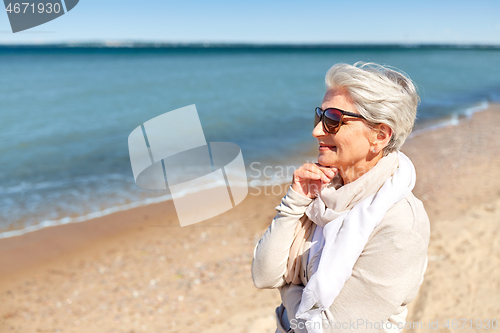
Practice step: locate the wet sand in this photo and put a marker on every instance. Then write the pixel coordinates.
(138, 271)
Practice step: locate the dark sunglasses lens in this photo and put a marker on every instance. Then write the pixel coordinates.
(332, 119)
(317, 117)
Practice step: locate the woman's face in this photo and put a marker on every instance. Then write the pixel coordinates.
(350, 146)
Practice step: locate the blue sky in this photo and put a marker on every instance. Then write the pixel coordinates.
(362, 21)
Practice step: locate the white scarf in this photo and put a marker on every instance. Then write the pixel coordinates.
(346, 235)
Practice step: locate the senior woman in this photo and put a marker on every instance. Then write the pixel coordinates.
(348, 247)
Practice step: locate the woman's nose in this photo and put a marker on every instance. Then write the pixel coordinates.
(318, 130)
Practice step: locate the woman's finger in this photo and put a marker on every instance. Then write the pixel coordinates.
(306, 174)
(327, 173)
(309, 170)
(331, 172)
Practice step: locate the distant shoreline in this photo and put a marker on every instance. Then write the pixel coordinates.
(248, 46)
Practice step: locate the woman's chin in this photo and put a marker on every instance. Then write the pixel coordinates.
(326, 160)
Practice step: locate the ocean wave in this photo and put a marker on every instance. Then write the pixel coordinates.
(57, 184)
(453, 120)
(111, 210)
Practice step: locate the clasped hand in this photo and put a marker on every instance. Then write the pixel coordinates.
(311, 178)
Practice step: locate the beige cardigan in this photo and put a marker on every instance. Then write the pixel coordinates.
(385, 278)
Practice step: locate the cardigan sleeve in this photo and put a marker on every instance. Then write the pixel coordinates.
(386, 272)
(271, 253)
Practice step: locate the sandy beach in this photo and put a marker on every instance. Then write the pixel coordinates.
(138, 271)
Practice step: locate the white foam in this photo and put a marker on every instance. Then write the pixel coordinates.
(479, 107)
(107, 211)
(48, 185)
(453, 120)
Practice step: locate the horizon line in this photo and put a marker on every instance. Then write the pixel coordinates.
(235, 45)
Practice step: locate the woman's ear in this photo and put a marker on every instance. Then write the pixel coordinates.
(383, 134)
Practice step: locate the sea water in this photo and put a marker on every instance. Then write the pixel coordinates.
(66, 112)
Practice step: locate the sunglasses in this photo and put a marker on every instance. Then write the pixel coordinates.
(332, 118)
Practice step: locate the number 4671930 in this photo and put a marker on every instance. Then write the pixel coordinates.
(26, 7)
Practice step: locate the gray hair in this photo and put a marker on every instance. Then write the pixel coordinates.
(382, 94)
